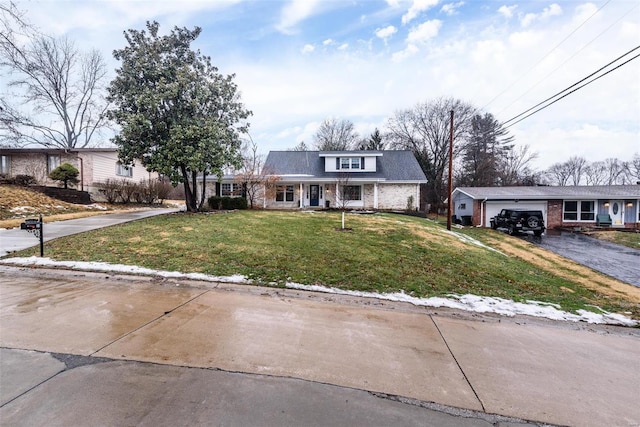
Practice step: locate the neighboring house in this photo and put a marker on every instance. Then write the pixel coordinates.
(345, 179)
(569, 206)
(95, 165)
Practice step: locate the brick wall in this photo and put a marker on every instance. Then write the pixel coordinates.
(395, 196)
(554, 214)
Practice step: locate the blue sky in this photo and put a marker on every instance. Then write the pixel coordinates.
(299, 62)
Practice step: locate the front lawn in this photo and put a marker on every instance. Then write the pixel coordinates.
(382, 253)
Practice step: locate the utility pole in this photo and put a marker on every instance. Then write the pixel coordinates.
(449, 190)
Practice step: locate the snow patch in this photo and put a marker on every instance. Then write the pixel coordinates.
(466, 302)
(468, 239)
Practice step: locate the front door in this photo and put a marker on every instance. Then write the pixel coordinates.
(314, 195)
(615, 210)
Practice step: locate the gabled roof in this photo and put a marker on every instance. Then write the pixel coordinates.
(392, 165)
(576, 192)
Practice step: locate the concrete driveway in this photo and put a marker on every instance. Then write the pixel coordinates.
(15, 239)
(96, 349)
(617, 261)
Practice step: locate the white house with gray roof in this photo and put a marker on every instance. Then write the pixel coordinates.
(385, 180)
(568, 206)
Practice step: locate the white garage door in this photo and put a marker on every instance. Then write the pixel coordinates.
(493, 208)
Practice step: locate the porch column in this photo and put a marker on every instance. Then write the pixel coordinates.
(301, 196)
(375, 195)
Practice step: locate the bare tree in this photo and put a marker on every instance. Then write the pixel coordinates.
(335, 135)
(596, 173)
(559, 174)
(633, 169)
(515, 167)
(255, 180)
(56, 97)
(576, 167)
(424, 129)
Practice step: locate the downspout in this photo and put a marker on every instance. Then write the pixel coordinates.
(81, 172)
(482, 212)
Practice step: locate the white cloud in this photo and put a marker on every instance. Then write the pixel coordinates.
(507, 11)
(529, 18)
(409, 51)
(328, 42)
(425, 31)
(343, 46)
(295, 12)
(416, 8)
(386, 32)
(451, 8)
(308, 48)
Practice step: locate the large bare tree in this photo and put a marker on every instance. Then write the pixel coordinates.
(335, 135)
(54, 95)
(424, 129)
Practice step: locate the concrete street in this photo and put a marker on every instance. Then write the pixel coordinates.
(101, 349)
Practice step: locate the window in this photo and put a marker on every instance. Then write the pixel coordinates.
(587, 212)
(122, 170)
(350, 163)
(226, 189)
(284, 193)
(352, 192)
(5, 165)
(462, 206)
(53, 161)
(579, 210)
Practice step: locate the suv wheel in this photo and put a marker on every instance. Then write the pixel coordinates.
(533, 221)
(512, 230)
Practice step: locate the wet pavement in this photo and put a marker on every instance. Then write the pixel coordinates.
(15, 239)
(144, 351)
(617, 261)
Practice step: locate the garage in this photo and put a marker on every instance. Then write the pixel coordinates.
(493, 208)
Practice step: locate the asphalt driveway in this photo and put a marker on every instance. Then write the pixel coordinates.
(617, 261)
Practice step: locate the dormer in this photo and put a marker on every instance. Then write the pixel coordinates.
(350, 161)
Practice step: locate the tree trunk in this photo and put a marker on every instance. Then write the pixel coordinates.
(204, 183)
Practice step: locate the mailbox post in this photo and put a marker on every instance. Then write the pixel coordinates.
(34, 226)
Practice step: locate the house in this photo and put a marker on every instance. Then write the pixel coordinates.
(95, 165)
(570, 206)
(385, 180)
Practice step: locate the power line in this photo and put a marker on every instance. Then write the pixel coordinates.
(570, 58)
(548, 53)
(570, 92)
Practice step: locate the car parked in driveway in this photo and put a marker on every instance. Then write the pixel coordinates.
(516, 221)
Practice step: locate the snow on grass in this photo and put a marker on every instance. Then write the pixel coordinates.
(466, 302)
(467, 239)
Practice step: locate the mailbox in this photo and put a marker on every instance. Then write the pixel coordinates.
(30, 224)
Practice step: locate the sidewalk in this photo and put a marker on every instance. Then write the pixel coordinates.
(15, 239)
(170, 349)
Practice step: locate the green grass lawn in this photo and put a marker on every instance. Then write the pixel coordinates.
(382, 253)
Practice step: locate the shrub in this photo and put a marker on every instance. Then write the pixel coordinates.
(66, 173)
(110, 189)
(24, 180)
(227, 203)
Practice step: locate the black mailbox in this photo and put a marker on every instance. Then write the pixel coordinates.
(30, 224)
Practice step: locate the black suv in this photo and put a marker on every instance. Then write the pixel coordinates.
(515, 221)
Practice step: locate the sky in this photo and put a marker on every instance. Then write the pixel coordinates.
(298, 62)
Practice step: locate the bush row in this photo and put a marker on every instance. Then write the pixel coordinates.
(22, 180)
(124, 191)
(226, 203)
